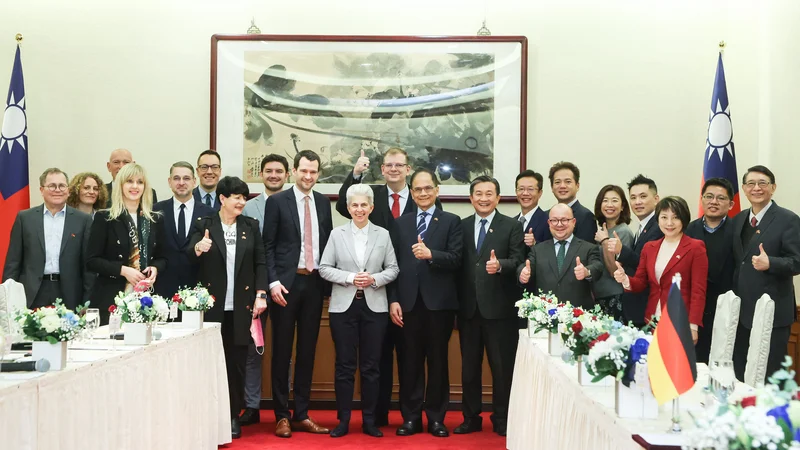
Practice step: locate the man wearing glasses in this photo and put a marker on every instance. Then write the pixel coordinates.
(116, 161)
(47, 251)
(716, 231)
(766, 254)
(532, 219)
(209, 168)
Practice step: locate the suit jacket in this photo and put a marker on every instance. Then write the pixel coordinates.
(585, 225)
(492, 295)
(339, 261)
(433, 280)
(110, 185)
(720, 260)
(634, 303)
(180, 271)
(249, 273)
(689, 260)
(199, 199)
(546, 277)
(26, 255)
(282, 235)
(538, 224)
(255, 208)
(779, 233)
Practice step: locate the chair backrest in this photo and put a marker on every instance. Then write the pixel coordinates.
(757, 355)
(12, 299)
(726, 320)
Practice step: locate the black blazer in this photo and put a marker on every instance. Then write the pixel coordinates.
(434, 280)
(720, 260)
(199, 199)
(634, 304)
(585, 225)
(180, 272)
(493, 295)
(539, 225)
(779, 233)
(109, 186)
(250, 271)
(282, 235)
(109, 249)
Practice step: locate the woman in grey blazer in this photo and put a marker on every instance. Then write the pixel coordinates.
(359, 261)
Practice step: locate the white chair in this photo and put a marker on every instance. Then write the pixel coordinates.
(757, 355)
(726, 320)
(12, 299)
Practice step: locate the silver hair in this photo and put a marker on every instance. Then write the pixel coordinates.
(360, 189)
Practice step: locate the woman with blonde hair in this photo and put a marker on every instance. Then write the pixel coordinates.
(87, 193)
(123, 246)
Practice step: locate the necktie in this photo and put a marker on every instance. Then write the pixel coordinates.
(308, 243)
(638, 232)
(182, 224)
(562, 254)
(208, 200)
(753, 222)
(522, 221)
(421, 227)
(481, 235)
(396, 205)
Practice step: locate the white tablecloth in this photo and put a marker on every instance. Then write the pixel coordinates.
(172, 394)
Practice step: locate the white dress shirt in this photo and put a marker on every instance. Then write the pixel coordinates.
(643, 223)
(528, 217)
(360, 236)
(187, 212)
(53, 232)
(478, 218)
(301, 204)
(566, 249)
(229, 231)
(760, 214)
(403, 198)
(203, 194)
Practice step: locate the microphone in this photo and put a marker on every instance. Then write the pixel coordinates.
(41, 365)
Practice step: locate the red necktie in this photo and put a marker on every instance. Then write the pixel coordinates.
(753, 222)
(396, 205)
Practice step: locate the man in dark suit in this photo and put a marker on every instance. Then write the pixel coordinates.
(565, 181)
(297, 223)
(644, 197)
(392, 200)
(47, 250)
(564, 265)
(715, 230)
(209, 169)
(180, 212)
(423, 302)
(492, 250)
(119, 158)
(533, 218)
(766, 254)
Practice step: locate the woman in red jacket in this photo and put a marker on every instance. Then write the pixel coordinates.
(660, 260)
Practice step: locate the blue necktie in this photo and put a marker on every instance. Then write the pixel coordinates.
(421, 227)
(208, 199)
(481, 235)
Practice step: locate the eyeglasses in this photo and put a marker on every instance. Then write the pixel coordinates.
(760, 183)
(561, 221)
(720, 198)
(206, 167)
(394, 165)
(56, 187)
(526, 190)
(423, 189)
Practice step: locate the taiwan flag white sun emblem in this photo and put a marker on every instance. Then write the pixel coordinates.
(15, 124)
(720, 132)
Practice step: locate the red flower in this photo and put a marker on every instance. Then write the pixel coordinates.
(594, 317)
(749, 401)
(603, 337)
(577, 312)
(112, 308)
(577, 327)
(176, 298)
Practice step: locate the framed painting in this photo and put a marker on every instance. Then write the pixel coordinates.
(455, 104)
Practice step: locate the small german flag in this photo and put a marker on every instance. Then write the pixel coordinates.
(671, 361)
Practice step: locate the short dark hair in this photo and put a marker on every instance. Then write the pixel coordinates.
(209, 152)
(183, 164)
(564, 165)
(678, 206)
(484, 179)
(56, 170)
(530, 174)
(721, 182)
(424, 170)
(641, 179)
(309, 155)
(624, 215)
(272, 157)
(759, 169)
(229, 186)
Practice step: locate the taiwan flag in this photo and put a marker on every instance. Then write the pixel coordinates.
(14, 189)
(720, 157)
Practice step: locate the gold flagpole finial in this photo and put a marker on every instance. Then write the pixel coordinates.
(721, 45)
(18, 37)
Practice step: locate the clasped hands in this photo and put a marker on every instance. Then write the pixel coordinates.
(363, 280)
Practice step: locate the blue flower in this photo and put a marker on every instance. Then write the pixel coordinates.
(780, 414)
(552, 312)
(146, 302)
(616, 325)
(71, 318)
(639, 349)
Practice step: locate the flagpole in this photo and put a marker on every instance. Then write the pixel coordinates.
(722, 47)
(18, 38)
(676, 416)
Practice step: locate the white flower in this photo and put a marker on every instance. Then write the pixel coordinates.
(134, 305)
(191, 302)
(51, 322)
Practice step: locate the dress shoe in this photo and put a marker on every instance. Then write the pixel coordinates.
(372, 430)
(236, 428)
(283, 429)
(409, 428)
(381, 421)
(469, 426)
(342, 429)
(309, 426)
(250, 416)
(438, 429)
(501, 430)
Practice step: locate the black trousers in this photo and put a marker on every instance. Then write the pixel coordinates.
(358, 337)
(499, 337)
(426, 335)
(703, 347)
(303, 309)
(47, 294)
(778, 347)
(392, 342)
(235, 357)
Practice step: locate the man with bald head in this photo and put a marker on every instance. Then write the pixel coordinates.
(116, 161)
(564, 265)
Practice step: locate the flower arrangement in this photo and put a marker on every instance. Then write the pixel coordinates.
(140, 305)
(540, 309)
(194, 299)
(616, 351)
(52, 324)
(584, 329)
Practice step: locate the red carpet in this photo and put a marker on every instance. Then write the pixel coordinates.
(261, 436)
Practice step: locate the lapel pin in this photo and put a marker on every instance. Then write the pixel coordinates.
(244, 237)
(117, 241)
(678, 256)
(758, 231)
(436, 219)
(73, 234)
(491, 230)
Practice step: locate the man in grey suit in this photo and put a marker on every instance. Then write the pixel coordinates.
(564, 265)
(47, 249)
(274, 173)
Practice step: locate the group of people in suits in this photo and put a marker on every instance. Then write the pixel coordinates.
(402, 274)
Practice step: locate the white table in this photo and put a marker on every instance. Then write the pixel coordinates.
(171, 394)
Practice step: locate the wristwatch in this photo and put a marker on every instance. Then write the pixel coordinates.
(262, 295)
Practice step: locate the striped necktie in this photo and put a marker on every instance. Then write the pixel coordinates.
(421, 226)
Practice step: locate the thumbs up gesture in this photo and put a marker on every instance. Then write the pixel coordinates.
(530, 241)
(204, 245)
(525, 273)
(361, 165)
(492, 265)
(581, 272)
(620, 275)
(421, 251)
(601, 234)
(614, 245)
(761, 261)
